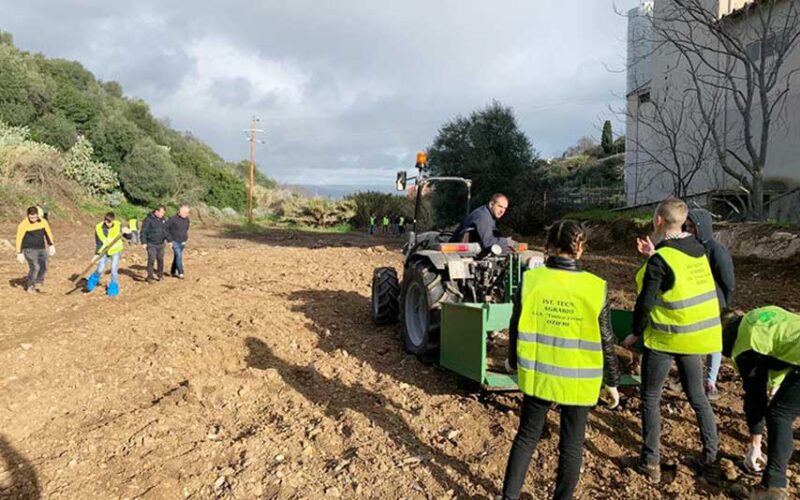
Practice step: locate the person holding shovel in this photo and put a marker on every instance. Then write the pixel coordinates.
(108, 245)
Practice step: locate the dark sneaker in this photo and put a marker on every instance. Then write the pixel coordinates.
(650, 471)
(762, 493)
(710, 471)
(712, 393)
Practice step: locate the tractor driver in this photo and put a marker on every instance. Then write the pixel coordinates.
(481, 224)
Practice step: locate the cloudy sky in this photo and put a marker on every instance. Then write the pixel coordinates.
(347, 90)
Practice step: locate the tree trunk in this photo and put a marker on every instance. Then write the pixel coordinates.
(758, 195)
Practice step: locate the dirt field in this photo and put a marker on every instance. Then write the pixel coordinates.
(261, 376)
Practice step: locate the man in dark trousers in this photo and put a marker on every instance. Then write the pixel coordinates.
(764, 344)
(677, 314)
(153, 236)
(178, 235)
(483, 221)
(34, 246)
(700, 224)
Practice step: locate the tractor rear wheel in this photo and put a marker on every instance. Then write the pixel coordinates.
(421, 299)
(385, 296)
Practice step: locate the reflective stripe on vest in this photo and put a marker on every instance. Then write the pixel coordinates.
(686, 318)
(113, 232)
(133, 225)
(770, 331)
(559, 350)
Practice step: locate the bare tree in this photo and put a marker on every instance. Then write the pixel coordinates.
(678, 143)
(740, 56)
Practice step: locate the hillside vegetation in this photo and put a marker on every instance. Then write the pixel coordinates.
(61, 127)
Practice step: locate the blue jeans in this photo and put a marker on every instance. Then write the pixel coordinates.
(177, 260)
(101, 266)
(713, 362)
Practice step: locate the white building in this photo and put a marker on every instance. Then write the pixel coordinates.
(664, 140)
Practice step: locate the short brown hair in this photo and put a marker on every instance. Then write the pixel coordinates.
(674, 211)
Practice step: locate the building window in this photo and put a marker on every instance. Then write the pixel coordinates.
(772, 44)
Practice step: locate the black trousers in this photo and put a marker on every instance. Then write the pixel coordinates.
(655, 369)
(570, 447)
(781, 414)
(155, 255)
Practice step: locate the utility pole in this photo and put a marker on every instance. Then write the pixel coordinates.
(251, 137)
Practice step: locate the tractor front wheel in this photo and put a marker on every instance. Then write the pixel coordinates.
(385, 296)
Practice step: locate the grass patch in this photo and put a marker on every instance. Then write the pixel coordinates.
(640, 218)
(124, 211)
(260, 226)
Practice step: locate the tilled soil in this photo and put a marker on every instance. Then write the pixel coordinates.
(261, 376)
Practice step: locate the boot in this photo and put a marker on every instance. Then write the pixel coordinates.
(92, 282)
(113, 289)
(762, 493)
(650, 471)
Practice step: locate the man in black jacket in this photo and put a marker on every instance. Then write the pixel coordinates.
(483, 221)
(178, 235)
(153, 236)
(700, 224)
(680, 328)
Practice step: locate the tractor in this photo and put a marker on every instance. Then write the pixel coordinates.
(453, 295)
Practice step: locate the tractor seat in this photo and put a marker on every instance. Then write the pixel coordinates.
(470, 236)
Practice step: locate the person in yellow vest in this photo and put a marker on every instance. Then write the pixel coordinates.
(385, 225)
(34, 245)
(562, 345)
(764, 345)
(133, 226)
(108, 236)
(678, 315)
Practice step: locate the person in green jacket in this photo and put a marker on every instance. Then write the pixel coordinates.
(764, 344)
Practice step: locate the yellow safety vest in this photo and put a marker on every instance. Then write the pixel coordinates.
(685, 319)
(559, 350)
(113, 232)
(133, 225)
(771, 331)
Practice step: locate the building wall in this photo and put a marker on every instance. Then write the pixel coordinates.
(646, 182)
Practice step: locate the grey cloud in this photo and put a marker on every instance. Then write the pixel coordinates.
(372, 77)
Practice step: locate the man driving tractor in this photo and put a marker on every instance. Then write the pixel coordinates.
(481, 224)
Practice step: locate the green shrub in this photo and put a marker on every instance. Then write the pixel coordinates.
(56, 130)
(148, 175)
(95, 177)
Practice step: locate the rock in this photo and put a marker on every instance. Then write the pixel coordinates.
(453, 434)
(216, 433)
(729, 469)
(332, 492)
(26, 346)
(6, 244)
(219, 483)
(279, 458)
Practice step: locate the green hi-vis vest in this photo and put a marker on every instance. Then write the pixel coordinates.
(113, 232)
(559, 350)
(385, 221)
(685, 319)
(372, 220)
(771, 331)
(402, 220)
(133, 225)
